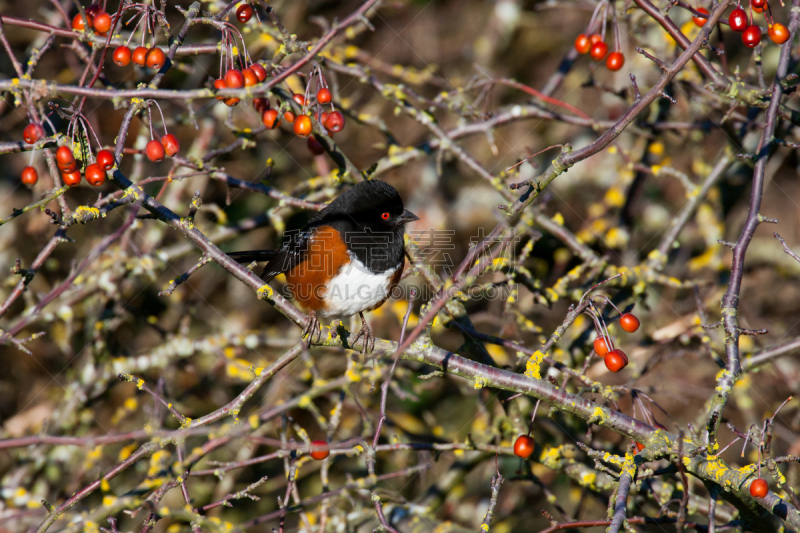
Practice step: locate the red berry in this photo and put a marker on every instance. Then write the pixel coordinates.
(171, 144)
(314, 146)
(759, 9)
(155, 151)
(758, 3)
(260, 104)
(95, 175)
(778, 33)
(302, 126)
(601, 345)
(77, 21)
(598, 50)
(629, 322)
(759, 488)
(220, 84)
(582, 44)
(270, 119)
(234, 78)
(751, 36)
(155, 58)
(94, 10)
(324, 96)
(595, 38)
(523, 446)
(299, 98)
(105, 159)
(335, 121)
(615, 60)
(250, 77)
(230, 102)
(32, 133)
(244, 13)
(738, 19)
(261, 72)
(319, 450)
(101, 23)
(616, 360)
(65, 159)
(323, 118)
(288, 117)
(700, 21)
(639, 447)
(71, 178)
(122, 56)
(29, 176)
(139, 56)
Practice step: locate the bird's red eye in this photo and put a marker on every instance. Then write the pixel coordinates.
(385, 216)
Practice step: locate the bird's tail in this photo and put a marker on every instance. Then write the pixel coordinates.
(252, 255)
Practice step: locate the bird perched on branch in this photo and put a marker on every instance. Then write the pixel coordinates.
(346, 260)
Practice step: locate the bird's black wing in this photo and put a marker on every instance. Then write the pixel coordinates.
(281, 260)
(291, 254)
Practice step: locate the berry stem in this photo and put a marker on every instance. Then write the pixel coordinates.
(533, 417)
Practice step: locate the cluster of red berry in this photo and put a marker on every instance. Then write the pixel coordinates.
(332, 121)
(235, 79)
(95, 172)
(597, 50)
(168, 146)
(32, 133)
(153, 58)
(615, 359)
(751, 33)
(592, 41)
(98, 19)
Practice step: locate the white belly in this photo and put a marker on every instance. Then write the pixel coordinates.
(355, 289)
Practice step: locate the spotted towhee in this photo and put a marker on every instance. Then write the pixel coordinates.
(347, 259)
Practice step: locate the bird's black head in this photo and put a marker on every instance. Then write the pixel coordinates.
(372, 204)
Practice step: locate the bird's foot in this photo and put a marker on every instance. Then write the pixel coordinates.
(369, 338)
(312, 328)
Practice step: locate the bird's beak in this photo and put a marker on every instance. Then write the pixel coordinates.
(407, 217)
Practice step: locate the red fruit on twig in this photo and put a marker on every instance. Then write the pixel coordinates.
(244, 13)
(738, 19)
(582, 44)
(29, 176)
(601, 345)
(95, 175)
(616, 360)
(598, 51)
(334, 122)
(65, 159)
(32, 133)
(170, 144)
(139, 56)
(319, 450)
(523, 446)
(759, 488)
(700, 21)
(155, 58)
(751, 36)
(71, 178)
(615, 61)
(154, 151)
(629, 322)
(122, 56)
(105, 158)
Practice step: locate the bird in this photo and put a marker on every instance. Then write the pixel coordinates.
(346, 260)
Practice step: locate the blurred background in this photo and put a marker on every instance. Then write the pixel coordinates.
(198, 345)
